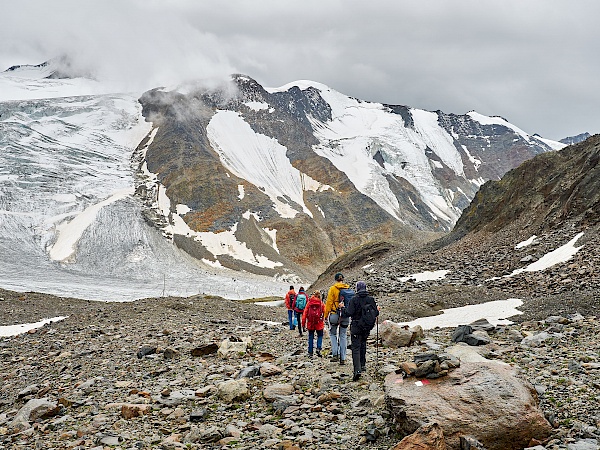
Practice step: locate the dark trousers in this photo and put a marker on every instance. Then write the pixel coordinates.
(299, 318)
(359, 351)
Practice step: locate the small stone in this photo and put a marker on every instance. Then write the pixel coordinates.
(146, 350)
(205, 349)
(131, 410)
(199, 415)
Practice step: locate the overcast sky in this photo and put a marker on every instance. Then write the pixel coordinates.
(534, 62)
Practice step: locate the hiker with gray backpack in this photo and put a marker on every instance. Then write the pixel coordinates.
(364, 312)
(337, 299)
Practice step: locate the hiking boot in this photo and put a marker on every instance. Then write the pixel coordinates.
(342, 362)
(334, 358)
(356, 376)
(319, 353)
(310, 355)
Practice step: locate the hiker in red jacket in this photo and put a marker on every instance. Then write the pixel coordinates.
(312, 320)
(290, 298)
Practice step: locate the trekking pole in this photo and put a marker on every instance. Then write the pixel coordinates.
(377, 342)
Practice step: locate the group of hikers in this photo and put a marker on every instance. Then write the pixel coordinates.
(343, 307)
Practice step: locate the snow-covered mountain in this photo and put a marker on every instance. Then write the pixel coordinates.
(69, 223)
(300, 174)
(259, 186)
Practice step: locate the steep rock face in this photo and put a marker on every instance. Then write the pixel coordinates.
(548, 190)
(293, 177)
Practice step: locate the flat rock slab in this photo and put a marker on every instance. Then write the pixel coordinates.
(485, 400)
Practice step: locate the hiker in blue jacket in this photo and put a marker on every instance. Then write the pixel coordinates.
(298, 306)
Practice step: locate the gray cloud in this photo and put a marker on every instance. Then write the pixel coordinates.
(532, 62)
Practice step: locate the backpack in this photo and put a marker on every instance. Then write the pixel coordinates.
(368, 317)
(292, 299)
(313, 316)
(301, 301)
(345, 296)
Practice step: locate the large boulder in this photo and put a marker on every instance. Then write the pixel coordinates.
(395, 335)
(485, 400)
(234, 348)
(36, 408)
(233, 390)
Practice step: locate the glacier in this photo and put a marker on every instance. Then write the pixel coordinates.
(69, 224)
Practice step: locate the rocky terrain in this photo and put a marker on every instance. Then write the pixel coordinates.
(125, 375)
(204, 372)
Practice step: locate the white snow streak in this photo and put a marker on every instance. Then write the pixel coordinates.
(495, 312)
(560, 255)
(14, 330)
(526, 243)
(69, 233)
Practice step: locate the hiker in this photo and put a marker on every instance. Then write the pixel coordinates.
(364, 311)
(298, 306)
(290, 298)
(312, 320)
(337, 323)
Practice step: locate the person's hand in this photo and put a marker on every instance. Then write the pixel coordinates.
(378, 308)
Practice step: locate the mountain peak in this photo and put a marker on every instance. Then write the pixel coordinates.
(60, 67)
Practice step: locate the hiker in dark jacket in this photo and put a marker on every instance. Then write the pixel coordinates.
(360, 329)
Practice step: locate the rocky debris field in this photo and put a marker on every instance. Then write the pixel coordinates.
(147, 374)
(477, 266)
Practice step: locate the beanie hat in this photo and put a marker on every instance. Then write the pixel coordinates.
(361, 286)
(339, 277)
(301, 289)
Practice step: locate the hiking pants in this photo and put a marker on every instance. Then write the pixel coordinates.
(311, 338)
(291, 319)
(359, 351)
(342, 340)
(299, 319)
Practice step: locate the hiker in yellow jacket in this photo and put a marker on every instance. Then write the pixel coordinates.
(337, 324)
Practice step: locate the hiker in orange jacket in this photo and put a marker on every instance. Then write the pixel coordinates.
(312, 320)
(290, 298)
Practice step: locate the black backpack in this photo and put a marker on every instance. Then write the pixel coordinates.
(368, 316)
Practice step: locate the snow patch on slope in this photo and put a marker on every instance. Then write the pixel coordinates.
(260, 160)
